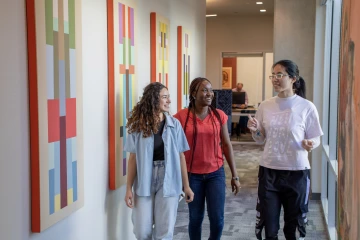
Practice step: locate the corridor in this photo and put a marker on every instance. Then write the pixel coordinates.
(240, 210)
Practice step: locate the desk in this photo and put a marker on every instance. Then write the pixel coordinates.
(237, 112)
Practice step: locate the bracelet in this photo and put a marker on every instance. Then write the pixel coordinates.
(235, 178)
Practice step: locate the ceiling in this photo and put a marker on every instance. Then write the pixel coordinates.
(239, 7)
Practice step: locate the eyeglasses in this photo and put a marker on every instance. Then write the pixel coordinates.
(277, 76)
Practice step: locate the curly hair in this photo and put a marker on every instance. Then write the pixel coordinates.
(193, 89)
(145, 115)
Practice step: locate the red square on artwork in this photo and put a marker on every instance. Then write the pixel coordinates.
(70, 117)
(131, 69)
(53, 110)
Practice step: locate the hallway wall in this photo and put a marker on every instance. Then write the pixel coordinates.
(294, 39)
(235, 34)
(104, 215)
(349, 119)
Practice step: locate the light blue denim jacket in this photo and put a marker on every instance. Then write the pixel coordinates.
(174, 143)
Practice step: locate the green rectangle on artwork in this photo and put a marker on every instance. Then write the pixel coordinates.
(71, 24)
(66, 27)
(124, 50)
(49, 21)
(129, 49)
(56, 24)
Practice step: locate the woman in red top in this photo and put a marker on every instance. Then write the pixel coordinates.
(206, 131)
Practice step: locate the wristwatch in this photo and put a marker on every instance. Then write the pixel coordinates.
(235, 178)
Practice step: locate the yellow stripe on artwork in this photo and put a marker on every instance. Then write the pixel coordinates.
(70, 196)
(57, 203)
(166, 66)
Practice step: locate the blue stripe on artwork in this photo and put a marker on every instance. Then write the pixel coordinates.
(124, 111)
(50, 71)
(72, 59)
(75, 187)
(51, 156)
(69, 163)
(57, 167)
(73, 148)
(130, 91)
(51, 191)
(62, 87)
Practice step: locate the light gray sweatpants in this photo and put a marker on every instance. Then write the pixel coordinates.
(155, 210)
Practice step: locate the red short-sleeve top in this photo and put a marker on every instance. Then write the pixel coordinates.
(208, 156)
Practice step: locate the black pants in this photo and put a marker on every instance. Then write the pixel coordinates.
(289, 189)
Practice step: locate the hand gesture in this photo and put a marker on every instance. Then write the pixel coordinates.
(129, 198)
(189, 195)
(235, 186)
(253, 123)
(307, 144)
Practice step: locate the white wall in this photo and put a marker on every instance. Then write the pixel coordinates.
(104, 215)
(249, 71)
(235, 34)
(294, 34)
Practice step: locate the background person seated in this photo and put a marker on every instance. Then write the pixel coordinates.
(242, 125)
(239, 88)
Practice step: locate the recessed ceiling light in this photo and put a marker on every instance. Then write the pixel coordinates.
(259, 2)
(262, 10)
(211, 15)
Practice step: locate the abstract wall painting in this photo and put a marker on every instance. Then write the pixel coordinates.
(55, 106)
(348, 124)
(122, 83)
(226, 77)
(159, 49)
(183, 67)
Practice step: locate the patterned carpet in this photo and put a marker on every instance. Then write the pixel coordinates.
(240, 210)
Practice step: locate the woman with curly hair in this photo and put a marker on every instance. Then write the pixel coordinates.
(157, 168)
(206, 130)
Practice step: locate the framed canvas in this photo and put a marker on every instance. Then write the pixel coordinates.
(122, 83)
(183, 67)
(159, 48)
(226, 77)
(55, 106)
(348, 137)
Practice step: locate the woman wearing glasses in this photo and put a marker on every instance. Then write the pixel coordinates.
(289, 126)
(157, 168)
(206, 130)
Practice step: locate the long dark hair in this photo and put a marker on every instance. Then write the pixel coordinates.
(293, 71)
(194, 88)
(145, 115)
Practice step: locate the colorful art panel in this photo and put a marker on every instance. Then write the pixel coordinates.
(183, 67)
(348, 124)
(159, 52)
(55, 97)
(122, 83)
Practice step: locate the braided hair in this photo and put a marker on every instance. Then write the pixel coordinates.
(194, 88)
